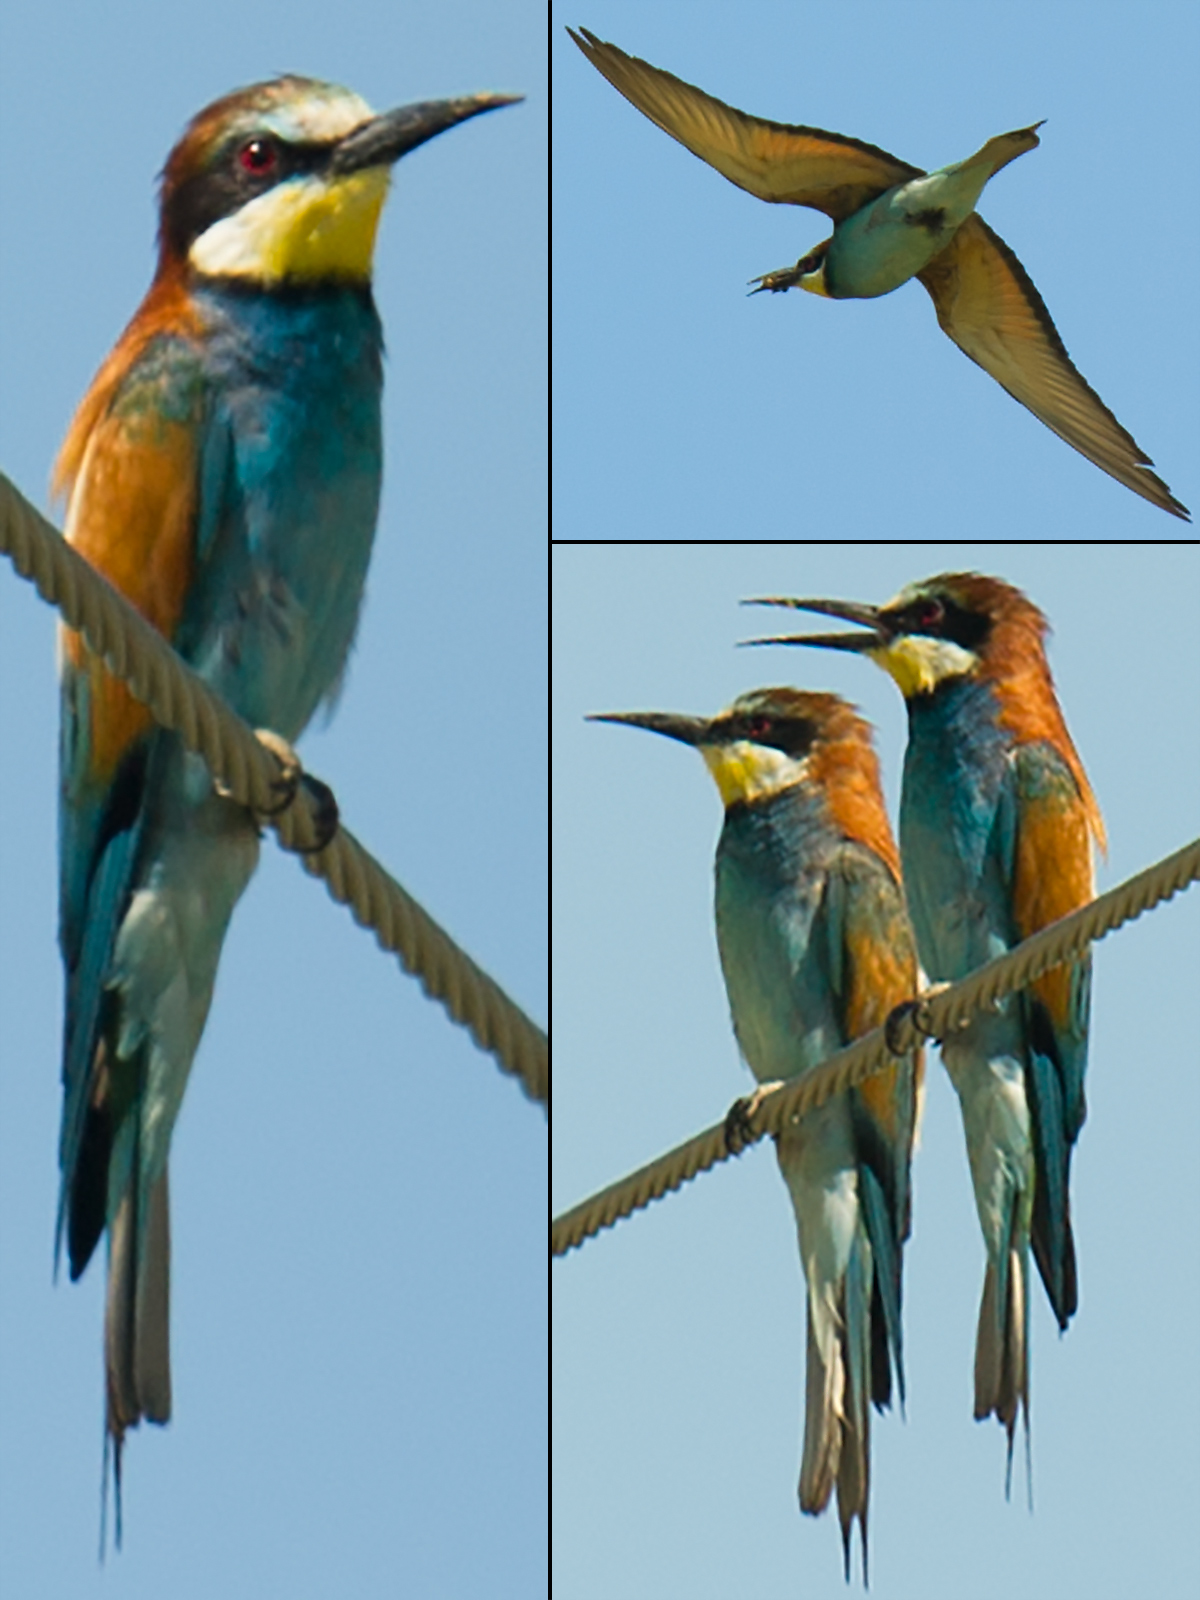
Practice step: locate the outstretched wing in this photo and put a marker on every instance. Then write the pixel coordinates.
(986, 302)
(773, 160)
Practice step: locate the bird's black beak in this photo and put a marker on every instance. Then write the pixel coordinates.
(688, 730)
(384, 139)
(876, 636)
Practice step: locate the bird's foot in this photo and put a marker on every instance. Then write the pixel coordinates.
(739, 1129)
(915, 1011)
(325, 815)
(286, 785)
(785, 278)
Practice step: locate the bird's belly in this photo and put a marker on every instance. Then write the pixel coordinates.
(985, 1067)
(952, 899)
(887, 243)
(779, 996)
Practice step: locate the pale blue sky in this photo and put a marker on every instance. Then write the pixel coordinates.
(358, 1195)
(686, 412)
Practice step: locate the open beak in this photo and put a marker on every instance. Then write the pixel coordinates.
(875, 637)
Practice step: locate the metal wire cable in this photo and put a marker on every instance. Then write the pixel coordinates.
(178, 699)
(933, 1015)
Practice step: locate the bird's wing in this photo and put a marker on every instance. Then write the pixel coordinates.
(874, 967)
(133, 515)
(879, 972)
(988, 305)
(1052, 876)
(773, 160)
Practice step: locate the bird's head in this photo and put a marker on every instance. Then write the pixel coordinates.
(810, 271)
(283, 182)
(766, 741)
(952, 626)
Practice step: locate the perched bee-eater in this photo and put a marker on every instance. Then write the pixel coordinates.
(816, 949)
(893, 222)
(223, 472)
(997, 822)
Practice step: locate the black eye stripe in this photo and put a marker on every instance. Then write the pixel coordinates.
(941, 618)
(229, 181)
(794, 736)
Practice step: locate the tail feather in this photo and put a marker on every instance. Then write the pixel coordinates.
(823, 1409)
(137, 1356)
(1005, 147)
(1054, 1125)
(854, 1489)
(1002, 1344)
(885, 1334)
(837, 1426)
(152, 1346)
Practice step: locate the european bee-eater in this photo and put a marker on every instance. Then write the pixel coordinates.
(893, 222)
(997, 822)
(223, 472)
(816, 949)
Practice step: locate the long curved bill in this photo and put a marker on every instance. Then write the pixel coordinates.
(869, 616)
(688, 730)
(385, 138)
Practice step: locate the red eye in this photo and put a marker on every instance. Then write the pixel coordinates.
(760, 727)
(929, 613)
(257, 156)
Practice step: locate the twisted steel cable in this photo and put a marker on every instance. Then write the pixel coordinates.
(251, 774)
(935, 1014)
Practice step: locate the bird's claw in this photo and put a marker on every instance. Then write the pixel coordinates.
(286, 785)
(738, 1133)
(325, 815)
(895, 1021)
(739, 1130)
(915, 1010)
(776, 282)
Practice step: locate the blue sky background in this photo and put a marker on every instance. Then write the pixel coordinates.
(685, 409)
(686, 412)
(678, 1337)
(358, 1195)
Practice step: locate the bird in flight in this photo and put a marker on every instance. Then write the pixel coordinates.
(893, 222)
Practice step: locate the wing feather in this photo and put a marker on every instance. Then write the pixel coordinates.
(773, 160)
(132, 514)
(987, 303)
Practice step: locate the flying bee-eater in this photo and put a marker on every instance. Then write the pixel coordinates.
(816, 949)
(997, 825)
(223, 472)
(893, 222)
